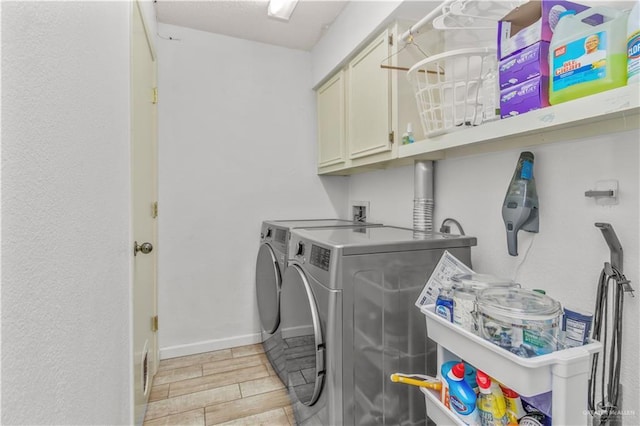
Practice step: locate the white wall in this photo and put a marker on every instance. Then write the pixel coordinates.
(237, 146)
(568, 254)
(66, 243)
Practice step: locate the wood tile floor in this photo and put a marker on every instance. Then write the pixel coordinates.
(234, 386)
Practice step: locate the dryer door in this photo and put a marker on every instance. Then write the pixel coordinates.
(268, 281)
(302, 333)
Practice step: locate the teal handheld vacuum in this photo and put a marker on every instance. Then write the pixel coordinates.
(520, 207)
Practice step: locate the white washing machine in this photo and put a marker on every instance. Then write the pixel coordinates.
(359, 323)
(270, 265)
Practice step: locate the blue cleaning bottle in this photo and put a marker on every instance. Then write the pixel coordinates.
(461, 397)
(444, 303)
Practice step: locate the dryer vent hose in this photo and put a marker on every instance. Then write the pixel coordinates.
(423, 215)
(423, 197)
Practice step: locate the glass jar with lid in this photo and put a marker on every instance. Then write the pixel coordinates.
(522, 321)
(465, 290)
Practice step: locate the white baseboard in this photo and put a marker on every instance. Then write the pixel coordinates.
(209, 345)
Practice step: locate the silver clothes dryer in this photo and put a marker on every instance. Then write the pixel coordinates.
(270, 265)
(358, 287)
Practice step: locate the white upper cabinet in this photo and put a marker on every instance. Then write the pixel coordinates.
(369, 128)
(331, 122)
(364, 108)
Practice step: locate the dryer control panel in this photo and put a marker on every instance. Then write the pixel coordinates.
(320, 257)
(277, 238)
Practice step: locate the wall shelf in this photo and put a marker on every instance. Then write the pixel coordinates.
(609, 112)
(612, 111)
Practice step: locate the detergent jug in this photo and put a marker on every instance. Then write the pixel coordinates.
(633, 45)
(588, 53)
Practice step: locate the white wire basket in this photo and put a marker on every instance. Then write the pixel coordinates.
(448, 88)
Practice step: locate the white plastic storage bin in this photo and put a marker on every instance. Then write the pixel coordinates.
(564, 372)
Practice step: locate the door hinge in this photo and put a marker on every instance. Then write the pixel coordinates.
(390, 39)
(391, 136)
(154, 323)
(154, 210)
(154, 96)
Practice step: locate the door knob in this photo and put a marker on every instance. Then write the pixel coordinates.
(144, 248)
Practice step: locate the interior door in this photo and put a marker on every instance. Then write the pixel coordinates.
(144, 184)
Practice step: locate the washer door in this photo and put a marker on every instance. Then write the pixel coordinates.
(268, 281)
(302, 333)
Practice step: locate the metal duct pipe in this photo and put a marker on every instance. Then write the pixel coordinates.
(423, 196)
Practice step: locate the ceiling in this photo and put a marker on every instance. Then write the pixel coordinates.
(248, 19)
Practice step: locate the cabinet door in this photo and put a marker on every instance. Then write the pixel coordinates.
(369, 111)
(331, 130)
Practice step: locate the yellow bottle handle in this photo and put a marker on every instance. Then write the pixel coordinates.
(423, 383)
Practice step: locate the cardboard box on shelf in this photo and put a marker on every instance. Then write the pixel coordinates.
(528, 63)
(530, 23)
(524, 97)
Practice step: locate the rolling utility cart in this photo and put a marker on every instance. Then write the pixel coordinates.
(564, 372)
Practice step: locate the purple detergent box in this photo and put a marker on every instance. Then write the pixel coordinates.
(524, 97)
(530, 23)
(528, 63)
(540, 404)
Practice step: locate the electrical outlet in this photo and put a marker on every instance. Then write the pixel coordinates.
(360, 211)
